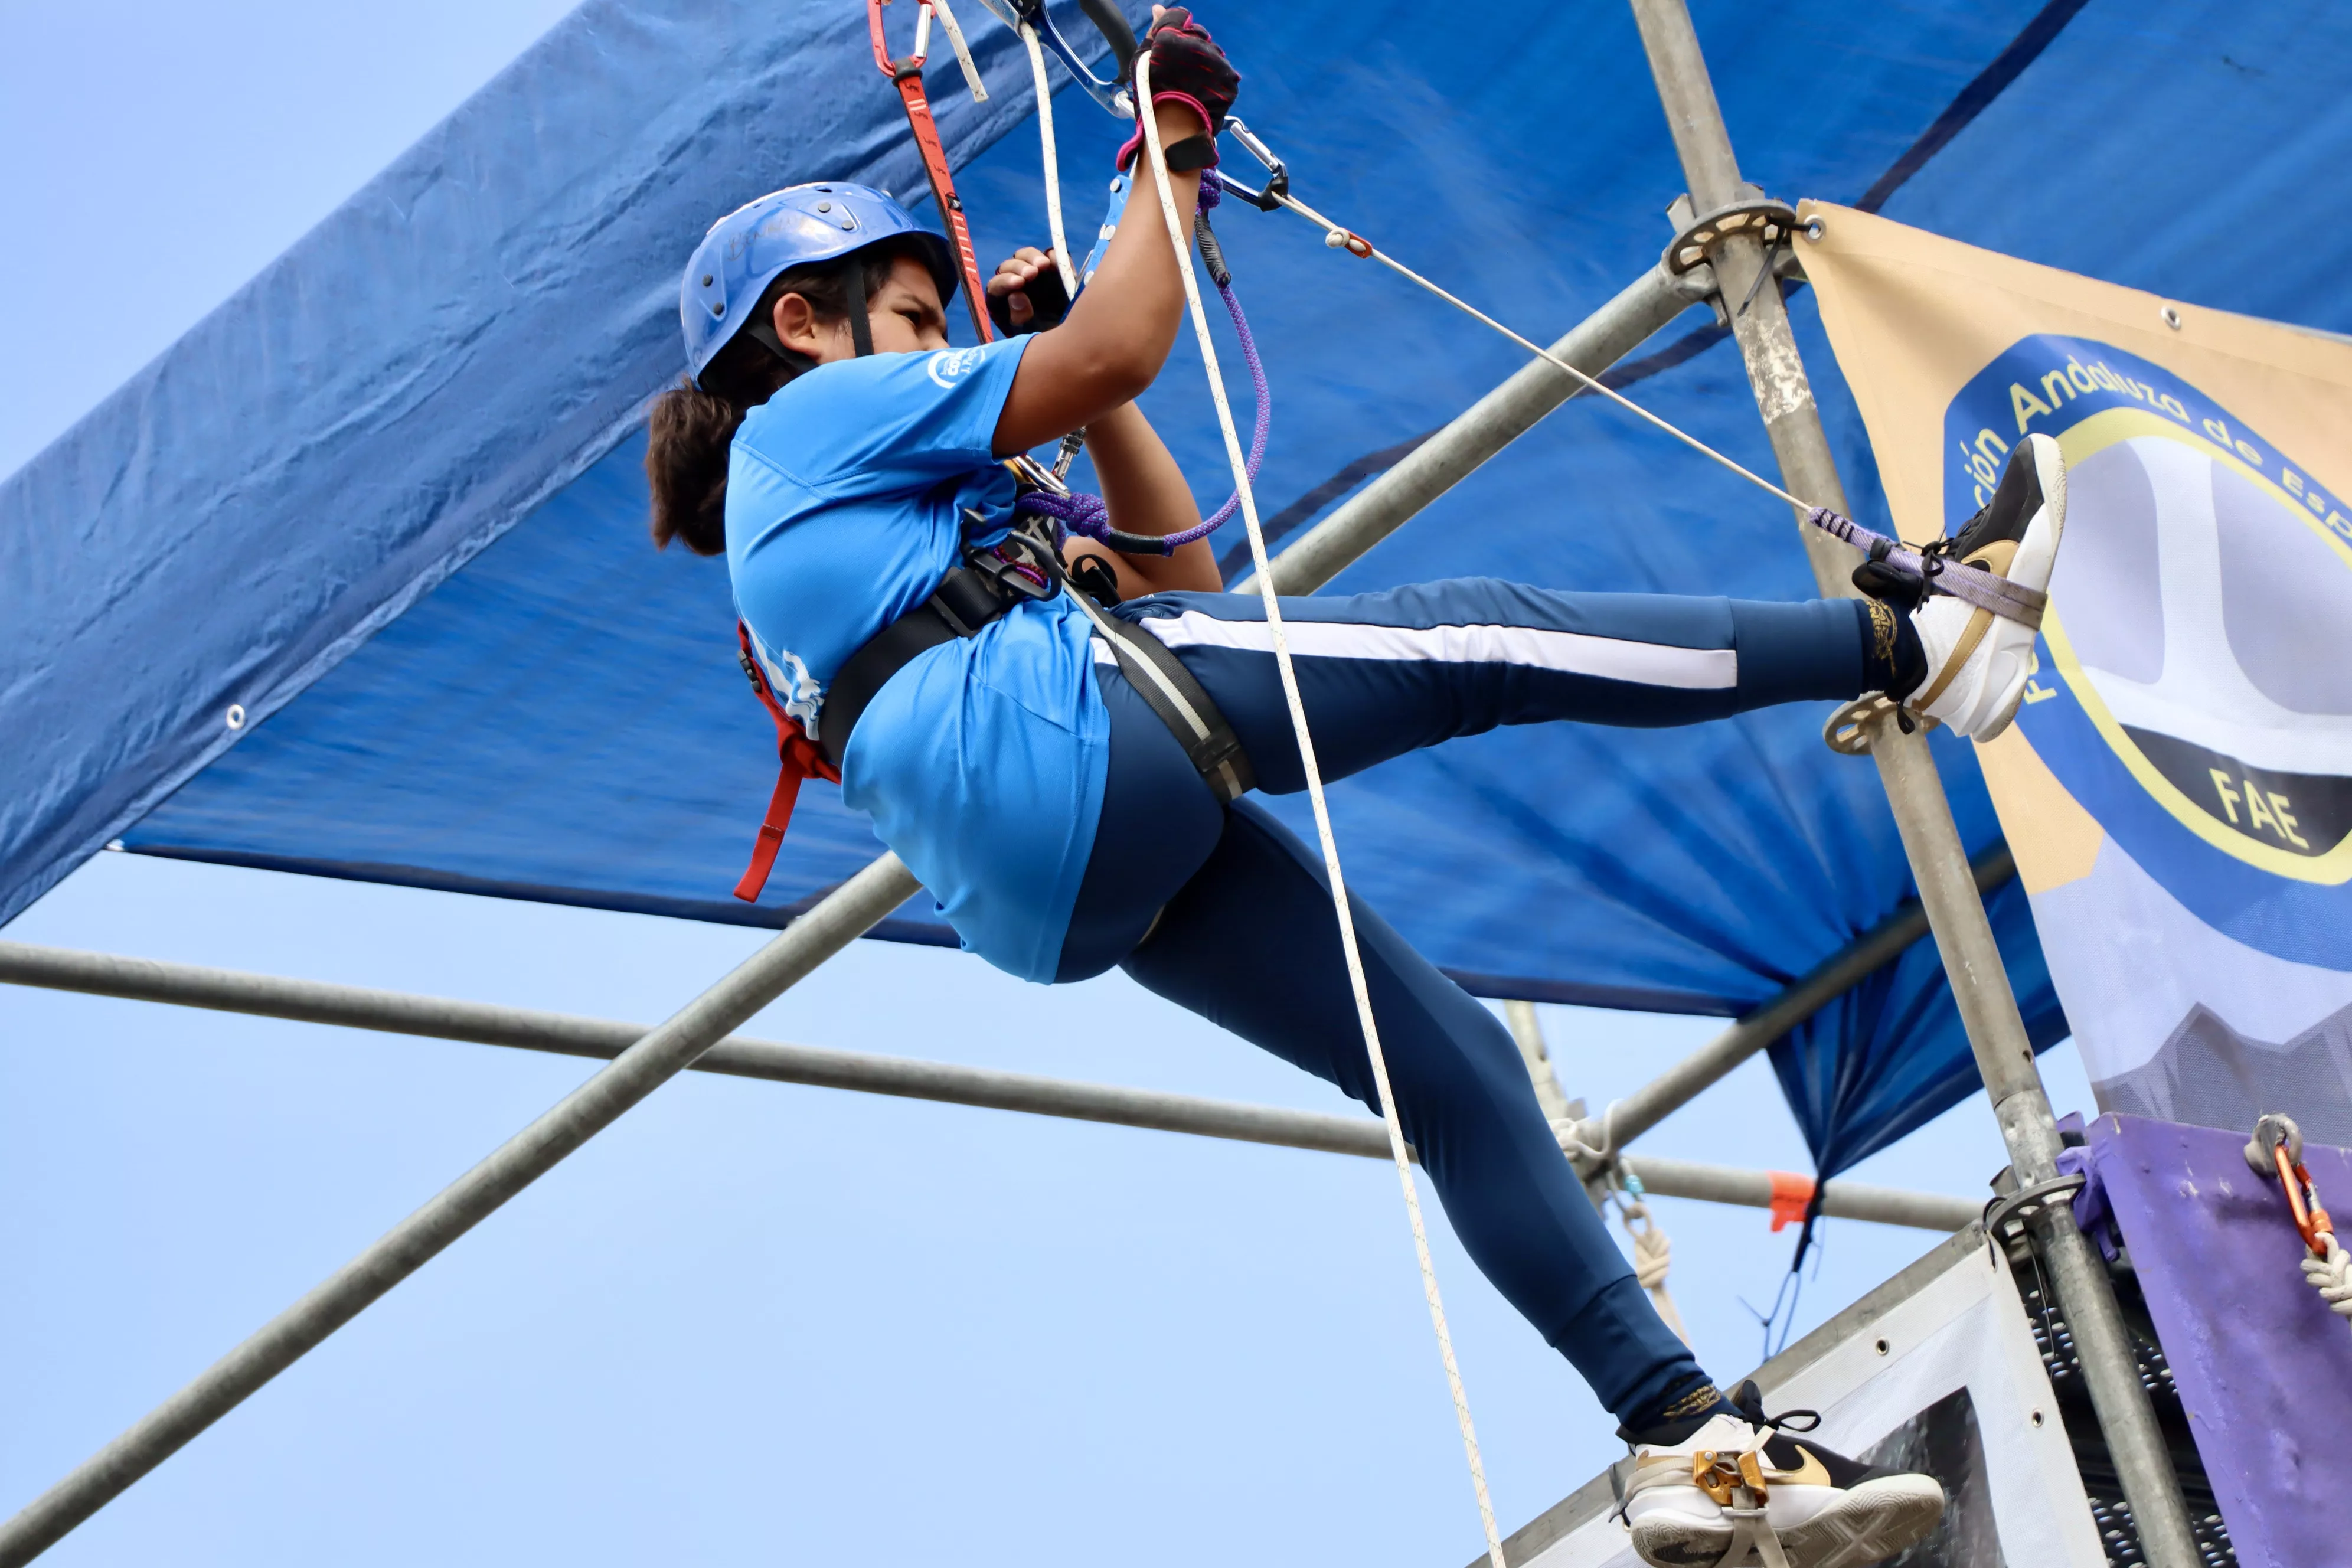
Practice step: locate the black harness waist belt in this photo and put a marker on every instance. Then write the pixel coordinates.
(970, 597)
(966, 600)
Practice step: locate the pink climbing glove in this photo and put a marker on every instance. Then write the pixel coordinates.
(1187, 68)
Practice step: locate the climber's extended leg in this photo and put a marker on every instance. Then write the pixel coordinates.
(1250, 944)
(1383, 674)
(1387, 673)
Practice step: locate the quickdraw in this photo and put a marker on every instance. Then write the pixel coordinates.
(2276, 1149)
(905, 74)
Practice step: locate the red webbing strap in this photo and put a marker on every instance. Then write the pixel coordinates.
(906, 75)
(798, 760)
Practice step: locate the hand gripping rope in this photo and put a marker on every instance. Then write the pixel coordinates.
(1087, 514)
(1398, 1148)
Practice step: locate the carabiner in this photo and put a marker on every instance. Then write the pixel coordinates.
(1268, 196)
(1112, 94)
(910, 64)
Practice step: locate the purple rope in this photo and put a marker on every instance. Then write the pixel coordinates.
(1087, 514)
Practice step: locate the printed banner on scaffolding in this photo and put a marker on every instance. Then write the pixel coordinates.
(2177, 787)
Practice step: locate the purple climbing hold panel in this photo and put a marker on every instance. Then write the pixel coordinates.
(2263, 1367)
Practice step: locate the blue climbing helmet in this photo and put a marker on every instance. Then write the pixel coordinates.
(799, 226)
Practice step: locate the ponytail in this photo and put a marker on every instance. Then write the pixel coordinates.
(692, 427)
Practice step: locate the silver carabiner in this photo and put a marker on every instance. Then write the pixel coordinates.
(1268, 196)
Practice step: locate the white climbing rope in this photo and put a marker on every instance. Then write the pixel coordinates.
(1570, 1131)
(1653, 1255)
(1179, 236)
(1062, 262)
(2332, 1276)
(1340, 236)
(971, 76)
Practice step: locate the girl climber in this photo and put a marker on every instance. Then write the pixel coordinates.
(1067, 782)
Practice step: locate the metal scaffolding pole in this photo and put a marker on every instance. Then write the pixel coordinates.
(845, 914)
(482, 1022)
(473, 1197)
(1939, 865)
(863, 1072)
(1711, 1063)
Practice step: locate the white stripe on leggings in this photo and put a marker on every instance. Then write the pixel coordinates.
(1573, 653)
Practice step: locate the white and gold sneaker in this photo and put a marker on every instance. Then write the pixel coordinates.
(1978, 662)
(1741, 1492)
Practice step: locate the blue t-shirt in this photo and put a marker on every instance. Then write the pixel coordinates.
(849, 495)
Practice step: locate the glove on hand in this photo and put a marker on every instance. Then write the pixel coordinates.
(1187, 68)
(1048, 302)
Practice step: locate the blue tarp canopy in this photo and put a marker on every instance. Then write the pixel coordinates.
(384, 507)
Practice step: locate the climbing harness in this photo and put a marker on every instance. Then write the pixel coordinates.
(1024, 567)
(2276, 1151)
(982, 589)
(1182, 703)
(905, 74)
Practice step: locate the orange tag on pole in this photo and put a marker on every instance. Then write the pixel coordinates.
(1791, 1195)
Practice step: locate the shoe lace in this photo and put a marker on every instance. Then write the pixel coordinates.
(1934, 554)
(1787, 1421)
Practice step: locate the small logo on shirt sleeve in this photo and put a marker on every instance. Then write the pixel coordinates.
(951, 365)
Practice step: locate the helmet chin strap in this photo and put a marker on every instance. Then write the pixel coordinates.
(861, 326)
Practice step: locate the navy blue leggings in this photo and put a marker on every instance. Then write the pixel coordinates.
(1237, 910)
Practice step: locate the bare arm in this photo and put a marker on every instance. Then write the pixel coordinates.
(1119, 333)
(1146, 493)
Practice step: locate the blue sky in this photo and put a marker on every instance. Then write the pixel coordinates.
(751, 1321)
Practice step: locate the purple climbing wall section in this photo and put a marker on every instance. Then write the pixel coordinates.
(2263, 1367)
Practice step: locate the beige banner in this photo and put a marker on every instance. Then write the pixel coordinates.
(2177, 787)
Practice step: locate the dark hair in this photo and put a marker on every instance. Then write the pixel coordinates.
(692, 427)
